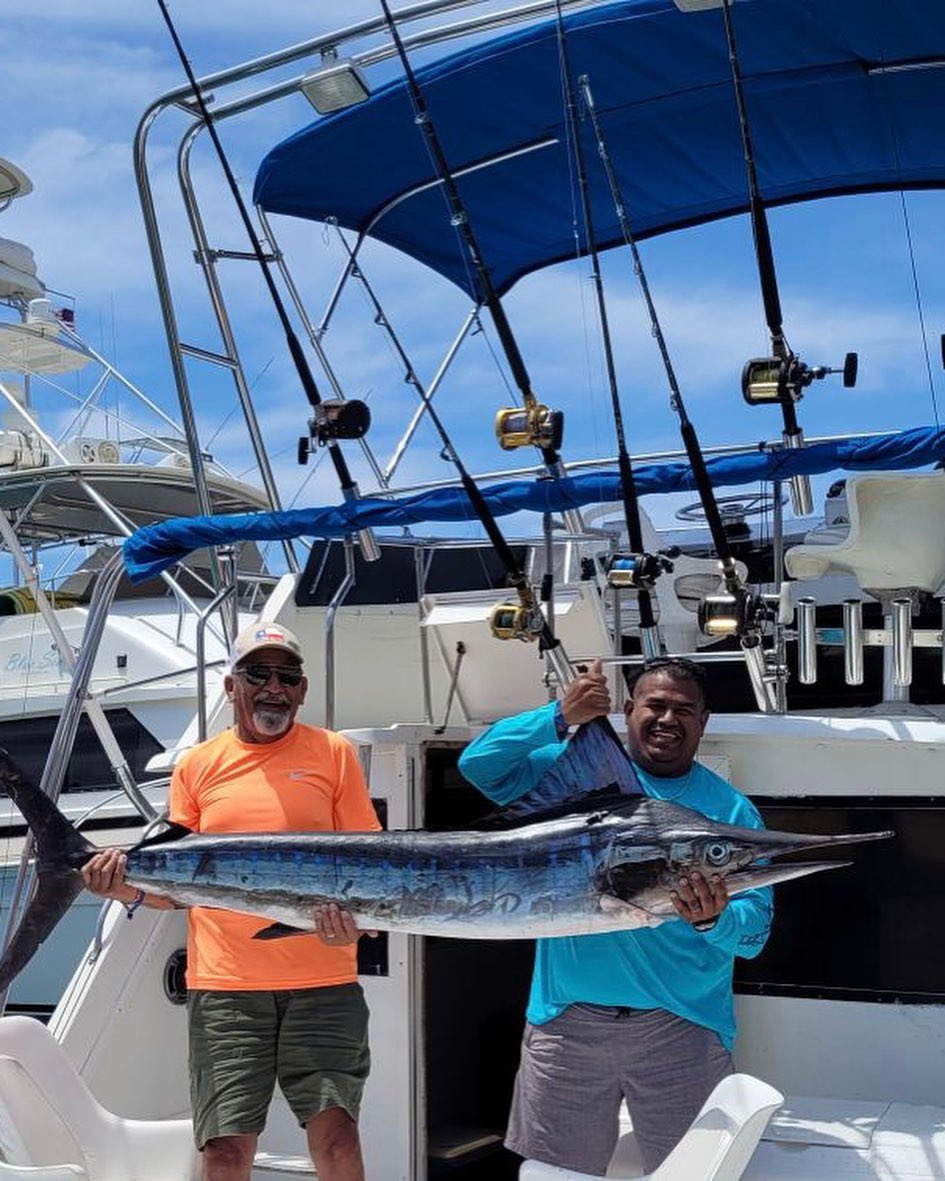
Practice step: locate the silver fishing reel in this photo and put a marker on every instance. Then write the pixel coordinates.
(636, 571)
(783, 379)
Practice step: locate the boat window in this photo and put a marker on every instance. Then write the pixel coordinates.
(28, 740)
(869, 931)
(393, 577)
(469, 1064)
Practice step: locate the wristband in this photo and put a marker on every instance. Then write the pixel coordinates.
(133, 905)
(705, 924)
(561, 726)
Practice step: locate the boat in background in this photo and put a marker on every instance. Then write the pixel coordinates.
(844, 1012)
(85, 459)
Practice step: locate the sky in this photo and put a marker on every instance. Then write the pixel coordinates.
(78, 81)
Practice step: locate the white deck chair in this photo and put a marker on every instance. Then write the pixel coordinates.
(896, 538)
(718, 1145)
(52, 1128)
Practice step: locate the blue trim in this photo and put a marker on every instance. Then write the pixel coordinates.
(156, 548)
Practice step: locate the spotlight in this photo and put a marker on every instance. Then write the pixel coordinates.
(335, 85)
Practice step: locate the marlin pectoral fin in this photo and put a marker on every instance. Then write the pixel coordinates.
(636, 915)
(172, 832)
(280, 931)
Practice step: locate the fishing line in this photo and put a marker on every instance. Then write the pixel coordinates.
(332, 420)
(642, 569)
(920, 312)
(737, 607)
(535, 424)
(783, 376)
(690, 440)
(907, 228)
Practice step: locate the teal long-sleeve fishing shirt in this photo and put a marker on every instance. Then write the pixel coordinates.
(672, 966)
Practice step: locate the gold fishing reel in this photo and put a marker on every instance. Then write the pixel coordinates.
(529, 426)
(515, 621)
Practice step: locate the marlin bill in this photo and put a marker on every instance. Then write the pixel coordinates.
(607, 868)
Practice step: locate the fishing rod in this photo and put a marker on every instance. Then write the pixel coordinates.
(534, 424)
(331, 420)
(637, 570)
(783, 376)
(734, 612)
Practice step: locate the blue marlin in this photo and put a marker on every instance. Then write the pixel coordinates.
(608, 861)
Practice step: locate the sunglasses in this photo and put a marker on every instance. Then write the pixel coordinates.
(259, 674)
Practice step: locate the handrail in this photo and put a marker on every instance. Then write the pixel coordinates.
(64, 737)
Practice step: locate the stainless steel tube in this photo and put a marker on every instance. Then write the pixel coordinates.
(807, 641)
(902, 641)
(853, 641)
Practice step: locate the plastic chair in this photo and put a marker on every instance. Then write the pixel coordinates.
(891, 544)
(52, 1128)
(718, 1145)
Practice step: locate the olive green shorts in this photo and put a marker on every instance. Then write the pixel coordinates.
(313, 1041)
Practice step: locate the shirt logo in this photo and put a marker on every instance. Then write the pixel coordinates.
(303, 774)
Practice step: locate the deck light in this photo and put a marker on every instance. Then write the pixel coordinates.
(335, 85)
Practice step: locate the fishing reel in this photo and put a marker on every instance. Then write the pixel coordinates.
(333, 420)
(529, 426)
(737, 613)
(515, 621)
(636, 571)
(782, 379)
(730, 613)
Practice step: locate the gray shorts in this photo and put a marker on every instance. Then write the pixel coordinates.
(576, 1069)
(312, 1040)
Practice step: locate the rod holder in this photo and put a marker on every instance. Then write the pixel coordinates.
(650, 643)
(807, 641)
(853, 641)
(802, 498)
(942, 605)
(902, 641)
(764, 690)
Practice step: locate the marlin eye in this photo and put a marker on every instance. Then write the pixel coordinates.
(718, 853)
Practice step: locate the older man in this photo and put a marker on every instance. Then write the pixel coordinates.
(289, 1009)
(646, 1015)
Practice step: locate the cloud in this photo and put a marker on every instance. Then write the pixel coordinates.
(73, 133)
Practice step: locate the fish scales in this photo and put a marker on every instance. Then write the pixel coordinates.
(611, 866)
(481, 880)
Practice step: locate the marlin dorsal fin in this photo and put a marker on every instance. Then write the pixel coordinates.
(593, 770)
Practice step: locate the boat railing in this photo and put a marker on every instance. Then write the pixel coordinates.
(79, 699)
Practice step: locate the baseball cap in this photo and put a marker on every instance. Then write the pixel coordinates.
(264, 635)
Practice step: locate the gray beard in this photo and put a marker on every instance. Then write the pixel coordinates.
(270, 720)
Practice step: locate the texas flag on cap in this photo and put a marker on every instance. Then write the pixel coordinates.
(264, 635)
